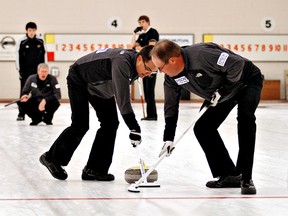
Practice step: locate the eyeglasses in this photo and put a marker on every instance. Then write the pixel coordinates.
(161, 68)
(149, 69)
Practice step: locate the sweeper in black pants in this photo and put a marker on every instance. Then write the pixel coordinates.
(101, 78)
(224, 79)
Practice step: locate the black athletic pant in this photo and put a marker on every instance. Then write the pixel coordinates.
(210, 140)
(101, 153)
(31, 109)
(149, 95)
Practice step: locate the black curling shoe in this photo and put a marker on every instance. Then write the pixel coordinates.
(248, 187)
(225, 182)
(92, 175)
(55, 169)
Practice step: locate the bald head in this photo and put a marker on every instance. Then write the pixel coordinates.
(166, 56)
(165, 49)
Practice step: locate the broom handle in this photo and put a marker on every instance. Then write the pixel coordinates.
(141, 164)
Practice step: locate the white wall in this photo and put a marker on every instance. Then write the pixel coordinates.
(182, 16)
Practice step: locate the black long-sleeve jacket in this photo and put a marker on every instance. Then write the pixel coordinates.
(30, 52)
(107, 73)
(145, 37)
(208, 67)
(49, 89)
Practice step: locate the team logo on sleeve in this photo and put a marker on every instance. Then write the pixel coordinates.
(222, 59)
(102, 50)
(34, 85)
(181, 80)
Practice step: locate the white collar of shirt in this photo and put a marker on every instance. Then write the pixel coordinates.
(148, 29)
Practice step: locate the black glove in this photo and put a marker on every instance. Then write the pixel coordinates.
(139, 28)
(135, 137)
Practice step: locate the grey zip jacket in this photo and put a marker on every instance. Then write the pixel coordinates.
(49, 89)
(208, 68)
(108, 73)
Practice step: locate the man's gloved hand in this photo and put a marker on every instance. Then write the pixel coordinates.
(135, 138)
(139, 28)
(215, 98)
(167, 147)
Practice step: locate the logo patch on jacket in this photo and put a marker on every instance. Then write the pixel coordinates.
(222, 59)
(34, 85)
(102, 50)
(181, 80)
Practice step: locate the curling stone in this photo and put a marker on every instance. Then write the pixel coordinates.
(133, 174)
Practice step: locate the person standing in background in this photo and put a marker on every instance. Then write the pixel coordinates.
(30, 52)
(148, 36)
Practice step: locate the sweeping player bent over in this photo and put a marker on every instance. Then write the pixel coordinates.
(224, 79)
(99, 78)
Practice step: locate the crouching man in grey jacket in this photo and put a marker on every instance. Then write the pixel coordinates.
(40, 96)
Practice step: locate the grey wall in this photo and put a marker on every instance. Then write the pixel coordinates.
(181, 16)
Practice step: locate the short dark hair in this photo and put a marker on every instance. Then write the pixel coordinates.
(145, 52)
(144, 17)
(31, 25)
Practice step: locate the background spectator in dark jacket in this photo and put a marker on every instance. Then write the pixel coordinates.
(30, 52)
(45, 94)
(147, 36)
